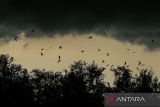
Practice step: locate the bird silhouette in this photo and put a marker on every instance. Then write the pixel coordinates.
(60, 47)
(16, 39)
(128, 49)
(42, 54)
(99, 49)
(107, 65)
(59, 59)
(90, 37)
(139, 63)
(107, 54)
(82, 51)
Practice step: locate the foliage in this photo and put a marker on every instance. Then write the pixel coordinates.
(82, 85)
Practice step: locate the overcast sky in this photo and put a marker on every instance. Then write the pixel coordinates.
(115, 26)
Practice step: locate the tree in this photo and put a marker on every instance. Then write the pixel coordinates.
(123, 79)
(84, 85)
(144, 82)
(81, 85)
(14, 82)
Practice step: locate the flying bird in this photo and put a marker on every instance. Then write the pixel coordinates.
(59, 59)
(90, 37)
(60, 47)
(16, 39)
(82, 51)
(128, 49)
(107, 54)
(42, 54)
(99, 49)
(139, 63)
(111, 66)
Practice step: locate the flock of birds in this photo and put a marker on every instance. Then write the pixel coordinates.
(82, 51)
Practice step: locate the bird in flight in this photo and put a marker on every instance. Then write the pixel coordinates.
(107, 65)
(60, 47)
(59, 59)
(16, 39)
(99, 49)
(107, 54)
(139, 63)
(111, 66)
(128, 49)
(42, 54)
(90, 37)
(82, 51)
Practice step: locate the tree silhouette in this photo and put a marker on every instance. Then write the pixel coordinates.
(81, 85)
(144, 82)
(123, 79)
(14, 81)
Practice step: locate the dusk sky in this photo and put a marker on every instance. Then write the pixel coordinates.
(126, 31)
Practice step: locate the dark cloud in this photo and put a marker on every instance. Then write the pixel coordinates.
(133, 21)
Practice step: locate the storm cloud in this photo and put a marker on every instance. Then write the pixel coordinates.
(132, 21)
